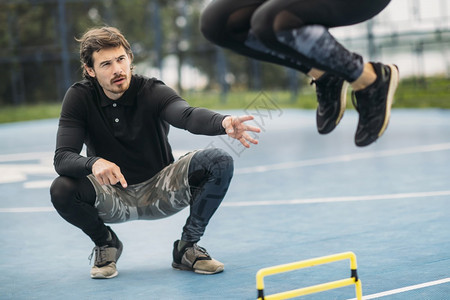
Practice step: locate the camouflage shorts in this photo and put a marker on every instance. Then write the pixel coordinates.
(161, 196)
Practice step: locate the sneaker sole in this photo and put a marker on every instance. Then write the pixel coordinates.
(343, 101)
(393, 83)
(186, 268)
(101, 276)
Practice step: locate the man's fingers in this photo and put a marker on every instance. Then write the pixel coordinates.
(113, 179)
(110, 175)
(247, 137)
(245, 118)
(253, 128)
(100, 180)
(241, 126)
(244, 142)
(122, 181)
(244, 138)
(117, 177)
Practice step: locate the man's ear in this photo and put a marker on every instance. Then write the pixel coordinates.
(90, 71)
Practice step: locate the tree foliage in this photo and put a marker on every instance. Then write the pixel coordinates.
(37, 40)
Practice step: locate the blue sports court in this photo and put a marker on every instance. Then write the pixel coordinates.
(295, 196)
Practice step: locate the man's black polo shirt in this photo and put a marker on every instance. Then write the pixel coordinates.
(130, 131)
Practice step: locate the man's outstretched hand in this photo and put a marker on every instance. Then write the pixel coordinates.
(236, 128)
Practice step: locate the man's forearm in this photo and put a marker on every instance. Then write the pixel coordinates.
(194, 119)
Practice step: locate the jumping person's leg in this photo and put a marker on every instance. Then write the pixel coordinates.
(300, 29)
(226, 23)
(210, 173)
(266, 30)
(295, 34)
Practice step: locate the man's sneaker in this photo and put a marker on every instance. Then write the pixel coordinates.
(374, 104)
(106, 258)
(195, 258)
(331, 97)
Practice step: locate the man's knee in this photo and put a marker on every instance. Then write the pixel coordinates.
(213, 162)
(269, 19)
(60, 192)
(64, 191)
(216, 158)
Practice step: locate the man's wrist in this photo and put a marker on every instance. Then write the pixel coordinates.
(91, 161)
(224, 120)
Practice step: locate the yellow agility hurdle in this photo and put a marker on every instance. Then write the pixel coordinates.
(315, 288)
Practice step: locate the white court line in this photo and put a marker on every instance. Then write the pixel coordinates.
(15, 173)
(40, 184)
(338, 199)
(277, 202)
(26, 156)
(12, 168)
(344, 158)
(27, 209)
(405, 289)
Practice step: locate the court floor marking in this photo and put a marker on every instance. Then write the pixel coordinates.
(27, 209)
(338, 199)
(26, 156)
(405, 289)
(343, 158)
(17, 173)
(275, 202)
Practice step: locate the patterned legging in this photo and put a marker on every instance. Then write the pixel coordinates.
(199, 180)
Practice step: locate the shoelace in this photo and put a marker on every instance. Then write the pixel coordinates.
(100, 255)
(200, 249)
(328, 86)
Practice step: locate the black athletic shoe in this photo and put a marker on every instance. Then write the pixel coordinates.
(331, 97)
(106, 258)
(374, 104)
